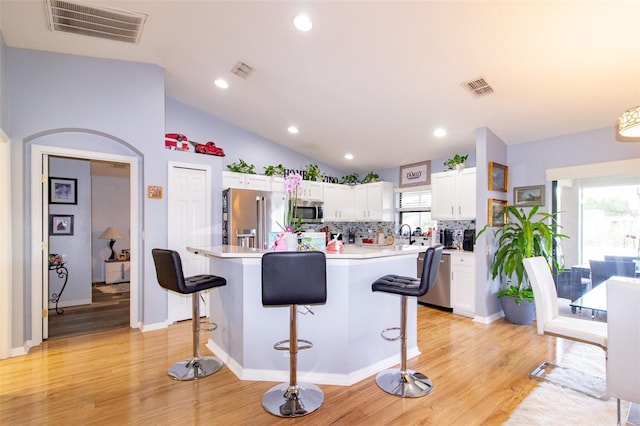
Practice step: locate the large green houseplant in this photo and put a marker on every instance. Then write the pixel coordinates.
(523, 235)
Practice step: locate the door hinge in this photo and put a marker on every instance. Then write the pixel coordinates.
(44, 313)
(44, 178)
(44, 246)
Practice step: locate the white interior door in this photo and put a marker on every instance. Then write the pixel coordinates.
(189, 216)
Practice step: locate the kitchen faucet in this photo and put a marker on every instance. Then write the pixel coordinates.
(400, 232)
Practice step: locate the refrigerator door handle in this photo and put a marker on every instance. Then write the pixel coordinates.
(262, 222)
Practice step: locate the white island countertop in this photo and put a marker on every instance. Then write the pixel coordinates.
(351, 251)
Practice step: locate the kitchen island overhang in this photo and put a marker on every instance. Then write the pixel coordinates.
(347, 345)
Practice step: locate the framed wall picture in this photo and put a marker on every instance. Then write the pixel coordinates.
(528, 195)
(415, 174)
(498, 177)
(63, 190)
(497, 214)
(60, 224)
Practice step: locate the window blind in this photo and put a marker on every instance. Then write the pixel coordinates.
(413, 201)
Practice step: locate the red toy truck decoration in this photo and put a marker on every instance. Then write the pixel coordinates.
(208, 148)
(180, 142)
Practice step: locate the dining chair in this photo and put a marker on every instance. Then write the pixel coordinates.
(623, 323)
(548, 319)
(602, 270)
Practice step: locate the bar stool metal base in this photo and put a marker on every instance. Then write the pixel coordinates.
(282, 401)
(193, 369)
(409, 384)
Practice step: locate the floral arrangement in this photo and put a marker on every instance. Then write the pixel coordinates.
(292, 187)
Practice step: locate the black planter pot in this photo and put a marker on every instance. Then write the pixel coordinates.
(521, 314)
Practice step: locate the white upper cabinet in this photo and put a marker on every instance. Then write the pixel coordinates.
(372, 202)
(337, 202)
(453, 195)
(311, 190)
(246, 181)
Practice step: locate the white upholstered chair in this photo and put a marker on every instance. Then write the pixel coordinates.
(623, 321)
(548, 319)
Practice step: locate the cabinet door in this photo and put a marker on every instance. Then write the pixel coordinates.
(257, 182)
(466, 194)
(380, 201)
(359, 203)
(443, 190)
(311, 190)
(463, 294)
(232, 180)
(337, 202)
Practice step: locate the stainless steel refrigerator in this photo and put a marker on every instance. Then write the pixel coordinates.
(248, 216)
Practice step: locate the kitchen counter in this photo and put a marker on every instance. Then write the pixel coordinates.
(345, 332)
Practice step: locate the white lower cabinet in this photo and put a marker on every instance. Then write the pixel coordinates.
(116, 271)
(463, 283)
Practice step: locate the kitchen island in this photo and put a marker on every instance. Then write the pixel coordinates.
(347, 346)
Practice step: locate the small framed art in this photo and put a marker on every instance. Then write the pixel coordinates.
(497, 214)
(498, 177)
(528, 195)
(415, 174)
(60, 224)
(63, 190)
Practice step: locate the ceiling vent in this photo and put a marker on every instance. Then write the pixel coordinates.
(242, 70)
(111, 24)
(478, 87)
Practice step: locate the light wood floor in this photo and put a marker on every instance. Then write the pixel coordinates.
(480, 374)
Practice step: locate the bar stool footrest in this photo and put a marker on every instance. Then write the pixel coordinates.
(279, 346)
(208, 325)
(394, 338)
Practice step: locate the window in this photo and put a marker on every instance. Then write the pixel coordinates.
(601, 217)
(414, 207)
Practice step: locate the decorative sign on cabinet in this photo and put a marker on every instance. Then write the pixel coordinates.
(453, 195)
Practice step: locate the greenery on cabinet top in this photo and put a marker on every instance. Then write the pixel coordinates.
(312, 172)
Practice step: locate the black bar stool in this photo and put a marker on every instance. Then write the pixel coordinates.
(293, 278)
(402, 382)
(170, 276)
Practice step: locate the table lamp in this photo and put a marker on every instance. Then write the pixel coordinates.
(112, 234)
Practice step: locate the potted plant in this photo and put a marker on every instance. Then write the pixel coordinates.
(274, 170)
(371, 177)
(524, 235)
(351, 179)
(242, 167)
(313, 173)
(457, 162)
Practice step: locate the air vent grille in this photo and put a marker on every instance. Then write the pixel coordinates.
(478, 87)
(242, 70)
(111, 24)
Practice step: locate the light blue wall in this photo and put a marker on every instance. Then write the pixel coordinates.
(115, 107)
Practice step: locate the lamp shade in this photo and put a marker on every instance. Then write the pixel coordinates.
(111, 233)
(629, 123)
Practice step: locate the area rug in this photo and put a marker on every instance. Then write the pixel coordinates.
(113, 288)
(550, 404)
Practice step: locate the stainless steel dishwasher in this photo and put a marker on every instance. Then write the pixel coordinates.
(440, 293)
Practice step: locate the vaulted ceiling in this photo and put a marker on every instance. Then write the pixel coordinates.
(375, 79)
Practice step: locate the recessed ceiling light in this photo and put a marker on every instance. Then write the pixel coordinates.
(348, 156)
(221, 83)
(438, 133)
(303, 23)
(293, 130)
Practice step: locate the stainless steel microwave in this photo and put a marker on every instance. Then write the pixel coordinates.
(310, 211)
